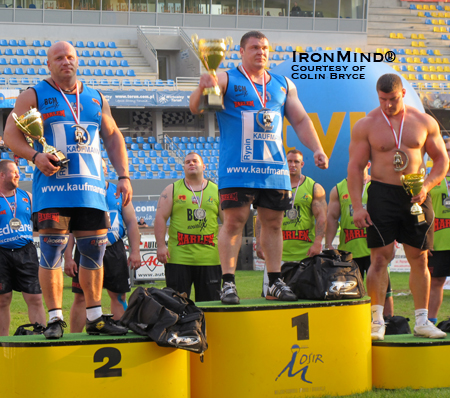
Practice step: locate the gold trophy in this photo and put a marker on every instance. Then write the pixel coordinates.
(211, 53)
(30, 123)
(413, 184)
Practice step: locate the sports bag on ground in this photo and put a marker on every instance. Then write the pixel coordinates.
(330, 275)
(167, 317)
(397, 325)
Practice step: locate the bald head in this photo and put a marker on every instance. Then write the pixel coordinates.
(63, 64)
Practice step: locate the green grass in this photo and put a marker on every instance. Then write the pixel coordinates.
(249, 285)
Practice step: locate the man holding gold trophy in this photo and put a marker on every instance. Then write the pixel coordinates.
(395, 137)
(253, 167)
(67, 119)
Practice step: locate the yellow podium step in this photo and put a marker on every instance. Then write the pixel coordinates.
(402, 361)
(262, 348)
(79, 365)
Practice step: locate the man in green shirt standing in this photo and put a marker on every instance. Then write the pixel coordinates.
(191, 256)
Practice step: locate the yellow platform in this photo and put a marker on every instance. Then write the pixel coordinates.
(79, 365)
(403, 361)
(271, 349)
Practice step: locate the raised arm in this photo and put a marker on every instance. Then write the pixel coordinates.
(163, 212)
(359, 151)
(333, 214)
(319, 209)
(303, 126)
(134, 237)
(206, 81)
(117, 152)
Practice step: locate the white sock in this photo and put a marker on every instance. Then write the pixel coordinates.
(55, 314)
(421, 316)
(93, 313)
(377, 314)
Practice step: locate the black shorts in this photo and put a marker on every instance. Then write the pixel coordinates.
(439, 263)
(274, 199)
(116, 276)
(206, 280)
(19, 270)
(71, 218)
(389, 207)
(364, 264)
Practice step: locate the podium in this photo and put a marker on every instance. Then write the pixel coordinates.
(402, 361)
(263, 348)
(79, 365)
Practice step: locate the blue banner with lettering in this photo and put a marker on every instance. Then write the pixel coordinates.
(8, 98)
(146, 209)
(148, 98)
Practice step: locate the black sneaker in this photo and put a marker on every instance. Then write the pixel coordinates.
(228, 294)
(55, 328)
(106, 325)
(280, 291)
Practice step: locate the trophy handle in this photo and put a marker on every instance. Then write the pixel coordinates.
(228, 43)
(422, 172)
(402, 178)
(194, 40)
(16, 119)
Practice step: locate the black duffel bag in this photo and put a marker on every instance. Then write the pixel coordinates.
(331, 275)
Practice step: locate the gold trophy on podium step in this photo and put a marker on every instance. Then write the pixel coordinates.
(30, 123)
(211, 53)
(413, 184)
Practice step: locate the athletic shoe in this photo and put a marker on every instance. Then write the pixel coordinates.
(280, 291)
(55, 328)
(105, 325)
(428, 330)
(228, 294)
(378, 331)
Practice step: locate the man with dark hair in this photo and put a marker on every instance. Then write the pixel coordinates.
(389, 82)
(19, 262)
(255, 34)
(72, 197)
(395, 137)
(253, 166)
(192, 204)
(295, 11)
(304, 224)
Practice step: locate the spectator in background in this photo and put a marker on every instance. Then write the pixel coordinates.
(295, 11)
(192, 256)
(268, 14)
(141, 223)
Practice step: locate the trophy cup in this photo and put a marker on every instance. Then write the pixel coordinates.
(30, 123)
(211, 53)
(413, 184)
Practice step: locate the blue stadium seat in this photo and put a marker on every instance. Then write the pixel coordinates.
(119, 72)
(19, 71)
(93, 82)
(141, 154)
(154, 167)
(221, 66)
(36, 62)
(173, 174)
(107, 54)
(217, 139)
(113, 63)
(37, 43)
(159, 82)
(148, 160)
(3, 61)
(9, 52)
(28, 169)
(272, 65)
(230, 65)
(130, 154)
(286, 57)
(126, 83)
(22, 43)
(166, 167)
(130, 72)
(146, 146)
(98, 72)
(159, 160)
(118, 54)
(131, 168)
(309, 49)
(3, 42)
(178, 167)
(96, 54)
(171, 160)
(47, 43)
(101, 44)
(42, 53)
(412, 7)
(149, 175)
(142, 168)
(5, 155)
(134, 147)
(276, 57)
(13, 43)
(135, 161)
(87, 72)
(137, 83)
(115, 83)
(234, 56)
(31, 71)
(31, 52)
(124, 63)
(79, 44)
(112, 44)
(85, 53)
(109, 72)
(112, 175)
(104, 83)
(25, 61)
(2, 81)
(20, 52)
(92, 62)
(216, 145)
(151, 140)
(13, 61)
(164, 153)
(7, 71)
(90, 44)
(140, 140)
(278, 48)
(212, 166)
(161, 174)
(128, 140)
(289, 48)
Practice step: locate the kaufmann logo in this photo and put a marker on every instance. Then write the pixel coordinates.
(313, 66)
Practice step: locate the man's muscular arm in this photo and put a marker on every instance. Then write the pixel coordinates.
(163, 212)
(333, 214)
(359, 150)
(319, 209)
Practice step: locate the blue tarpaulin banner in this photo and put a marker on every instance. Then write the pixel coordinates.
(146, 209)
(8, 98)
(148, 98)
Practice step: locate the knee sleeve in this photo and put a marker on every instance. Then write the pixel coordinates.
(52, 249)
(92, 250)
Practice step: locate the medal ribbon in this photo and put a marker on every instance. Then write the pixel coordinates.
(15, 203)
(195, 196)
(295, 194)
(398, 141)
(76, 117)
(263, 100)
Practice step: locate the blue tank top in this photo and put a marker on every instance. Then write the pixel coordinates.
(14, 239)
(249, 156)
(81, 183)
(117, 230)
